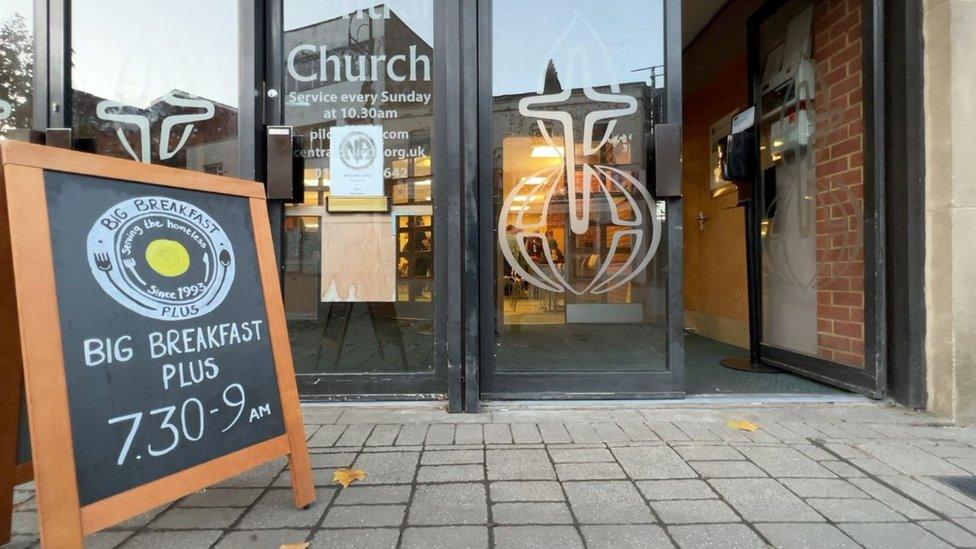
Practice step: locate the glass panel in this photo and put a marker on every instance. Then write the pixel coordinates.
(358, 63)
(143, 90)
(16, 64)
(580, 273)
(812, 141)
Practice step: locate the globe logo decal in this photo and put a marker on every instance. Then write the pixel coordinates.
(591, 190)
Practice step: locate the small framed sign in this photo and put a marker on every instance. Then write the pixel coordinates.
(152, 335)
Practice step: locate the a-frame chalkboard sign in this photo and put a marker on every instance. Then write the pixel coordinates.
(150, 338)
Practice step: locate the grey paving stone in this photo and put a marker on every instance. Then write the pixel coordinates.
(626, 536)
(675, 489)
(693, 511)
(950, 533)
(718, 536)
(610, 432)
(327, 435)
(519, 465)
(696, 431)
(841, 469)
(332, 460)
(610, 502)
(537, 537)
(440, 434)
(321, 477)
(262, 539)
(580, 455)
(652, 462)
(367, 538)
(805, 536)
(526, 433)
(276, 509)
(221, 497)
(823, 488)
(727, 469)
(25, 522)
(451, 473)
(638, 431)
(387, 467)
(181, 518)
(184, 538)
(582, 432)
(531, 513)
(411, 435)
(533, 490)
(497, 433)
(785, 462)
(452, 457)
(854, 510)
(133, 523)
(449, 504)
(910, 460)
(469, 434)
(707, 453)
(814, 453)
(18, 541)
(355, 435)
(364, 516)
(106, 539)
(259, 477)
(667, 431)
(892, 536)
(446, 537)
(373, 495)
(930, 497)
(764, 500)
(873, 466)
(554, 433)
(383, 435)
(589, 471)
(892, 499)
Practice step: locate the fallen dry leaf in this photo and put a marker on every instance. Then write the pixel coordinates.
(345, 477)
(301, 545)
(743, 425)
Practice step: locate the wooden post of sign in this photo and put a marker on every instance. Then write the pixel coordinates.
(302, 483)
(57, 487)
(11, 385)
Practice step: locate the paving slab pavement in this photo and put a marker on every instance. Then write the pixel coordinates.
(588, 475)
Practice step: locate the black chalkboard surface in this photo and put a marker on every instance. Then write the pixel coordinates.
(167, 352)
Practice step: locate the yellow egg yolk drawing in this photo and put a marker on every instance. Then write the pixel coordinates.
(167, 257)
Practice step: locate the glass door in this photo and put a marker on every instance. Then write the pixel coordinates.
(585, 257)
(819, 208)
(361, 66)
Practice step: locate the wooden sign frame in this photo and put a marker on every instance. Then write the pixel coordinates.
(63, 521)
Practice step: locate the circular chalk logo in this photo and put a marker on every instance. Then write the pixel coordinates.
(162, 258)
(357, 150)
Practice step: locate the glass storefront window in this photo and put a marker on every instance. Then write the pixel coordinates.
(157, 81)
(357, 63)
(16, 64)
(812, 150)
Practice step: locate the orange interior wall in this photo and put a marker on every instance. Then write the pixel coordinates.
(715, 258)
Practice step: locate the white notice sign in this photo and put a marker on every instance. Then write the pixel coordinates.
(356, 160)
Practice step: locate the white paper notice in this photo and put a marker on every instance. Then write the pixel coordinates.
(356, 162)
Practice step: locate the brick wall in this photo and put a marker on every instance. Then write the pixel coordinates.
(839, 157)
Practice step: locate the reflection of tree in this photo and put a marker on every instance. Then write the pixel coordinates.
(16, 71)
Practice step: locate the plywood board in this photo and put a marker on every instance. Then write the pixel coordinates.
(358, 257)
